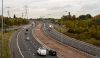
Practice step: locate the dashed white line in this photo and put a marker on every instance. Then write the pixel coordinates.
(33, 54)
(18, 45)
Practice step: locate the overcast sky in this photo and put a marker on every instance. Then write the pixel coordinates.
(51, 8)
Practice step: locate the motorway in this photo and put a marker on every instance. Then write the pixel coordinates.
(22, 48)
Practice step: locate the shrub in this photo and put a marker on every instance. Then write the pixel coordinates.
(71, 31)
(84, 36)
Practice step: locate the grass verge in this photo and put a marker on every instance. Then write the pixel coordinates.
(4, 44)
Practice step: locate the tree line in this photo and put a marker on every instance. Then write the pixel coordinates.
(15, 21)
(84, 27)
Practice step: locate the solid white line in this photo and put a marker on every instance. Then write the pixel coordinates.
(18, 45)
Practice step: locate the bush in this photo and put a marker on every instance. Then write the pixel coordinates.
(71, 31)
(84, 36)
(95, 33)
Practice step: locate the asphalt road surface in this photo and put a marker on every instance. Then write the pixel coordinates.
(22, 48)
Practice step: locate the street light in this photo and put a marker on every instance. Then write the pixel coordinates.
(2, 14)
(26, 11)
(2, 28)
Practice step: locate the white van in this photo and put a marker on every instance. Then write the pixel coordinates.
(42, 51)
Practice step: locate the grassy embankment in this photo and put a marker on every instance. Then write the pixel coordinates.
(84, 30)
(5, 44)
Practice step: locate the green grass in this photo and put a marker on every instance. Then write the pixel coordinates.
(5, 44)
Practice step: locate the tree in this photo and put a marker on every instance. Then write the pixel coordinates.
(64, 17)
(97, 16)
(73, 17)
(82, 17)
(88, 16)
(14, 16)
(69, 16)
(97, 19)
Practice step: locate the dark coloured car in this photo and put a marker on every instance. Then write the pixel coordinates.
(26, 29)
(52, 53)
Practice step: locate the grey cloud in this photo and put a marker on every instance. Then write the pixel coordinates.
(60, 7)
(91, 6)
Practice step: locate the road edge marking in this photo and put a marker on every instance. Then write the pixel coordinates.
(18, 45)
(10, 43)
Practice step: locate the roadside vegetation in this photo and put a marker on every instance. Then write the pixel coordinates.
(85, 27)
(4, 42)
(13, 22)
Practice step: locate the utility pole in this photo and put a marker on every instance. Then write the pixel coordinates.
(2, 28)
(22, 14)
(26, 11)
(8, 12)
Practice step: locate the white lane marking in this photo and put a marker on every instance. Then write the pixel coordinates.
(18, 45)
(33, 54)
(29, 49)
